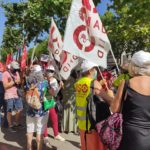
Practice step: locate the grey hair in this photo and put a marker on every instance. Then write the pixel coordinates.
(135, 70)
(36, 77)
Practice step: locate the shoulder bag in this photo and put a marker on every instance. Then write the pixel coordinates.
(110, 130)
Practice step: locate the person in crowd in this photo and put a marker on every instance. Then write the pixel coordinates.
(54, 88)
(36, 119)
(123, 76)
(69, 111)
(82, 86)
(136, 104)
(2, 92)
(11, 79)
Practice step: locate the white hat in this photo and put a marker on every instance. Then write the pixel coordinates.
(141, 58)
(14, 65)
(50, 67)
(36, 68)
(87, 65)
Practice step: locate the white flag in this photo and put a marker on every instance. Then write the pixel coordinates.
(85, 36)
(55, 42)
(69, 62)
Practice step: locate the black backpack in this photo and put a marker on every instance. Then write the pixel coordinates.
(97, 109)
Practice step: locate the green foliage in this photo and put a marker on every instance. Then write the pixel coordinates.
(126, 22)
(31, 19)
(40, 49)
(128, 26)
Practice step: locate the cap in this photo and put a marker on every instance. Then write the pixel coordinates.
(14, 65)
(87, 65)
(50, 67)
(36, 68)
(140, 58)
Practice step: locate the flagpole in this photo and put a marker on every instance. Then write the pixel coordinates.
(115, 60)
(50, 54)
(102, 77)
(33, 52)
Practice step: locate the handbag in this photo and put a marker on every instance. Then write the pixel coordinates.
(110, 130)
(48, 103)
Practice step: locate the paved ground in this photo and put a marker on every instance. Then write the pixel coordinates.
(17, 141)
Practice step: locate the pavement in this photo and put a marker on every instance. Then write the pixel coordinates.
(17, 140)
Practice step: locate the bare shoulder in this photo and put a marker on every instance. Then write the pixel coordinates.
(141, 84)
(140, 80)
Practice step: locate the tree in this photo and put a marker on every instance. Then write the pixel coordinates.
(128, 26)
(32, 19)
(40, 49)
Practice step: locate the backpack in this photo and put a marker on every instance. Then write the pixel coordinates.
(97, 109)
(33, 98)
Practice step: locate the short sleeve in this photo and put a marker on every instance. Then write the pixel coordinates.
(6, 77)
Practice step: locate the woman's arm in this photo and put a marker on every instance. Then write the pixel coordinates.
(54, 87)
(116, 104)
(108, 95)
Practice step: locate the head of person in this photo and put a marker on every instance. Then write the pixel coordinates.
(36, 74)
(139, 64)
(50, 71)
(89, 69)
(14, 67)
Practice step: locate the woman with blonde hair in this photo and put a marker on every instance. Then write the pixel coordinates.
(136, 104)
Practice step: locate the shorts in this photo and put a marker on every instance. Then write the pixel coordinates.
(14, 104)
(36, 124)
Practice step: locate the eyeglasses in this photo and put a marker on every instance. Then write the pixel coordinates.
(51, 71)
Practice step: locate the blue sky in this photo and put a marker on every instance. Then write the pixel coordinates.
(101, 8)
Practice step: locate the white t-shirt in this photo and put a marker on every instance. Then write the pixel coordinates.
(54, 84)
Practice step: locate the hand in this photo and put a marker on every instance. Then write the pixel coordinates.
(61, 84)
(17, 81)
(103, 82)
(110, 93)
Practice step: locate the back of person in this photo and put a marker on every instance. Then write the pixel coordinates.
(136, 115)
(136, 110)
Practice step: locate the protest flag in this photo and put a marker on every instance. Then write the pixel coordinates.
(55, 42)
(24, 58)
(9, 59)
(85, 35)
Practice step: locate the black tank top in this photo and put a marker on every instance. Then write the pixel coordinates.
(136, 109)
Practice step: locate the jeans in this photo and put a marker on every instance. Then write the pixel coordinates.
(14, 104)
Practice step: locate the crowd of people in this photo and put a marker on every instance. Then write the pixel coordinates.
(70, 102)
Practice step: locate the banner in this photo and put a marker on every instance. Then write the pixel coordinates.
(85, 35)
(55, 42)
(69, 62)
(24, 58)
(55, 45)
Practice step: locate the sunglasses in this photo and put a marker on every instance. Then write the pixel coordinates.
(51, 71)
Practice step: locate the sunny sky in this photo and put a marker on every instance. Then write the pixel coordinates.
(101, 8)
